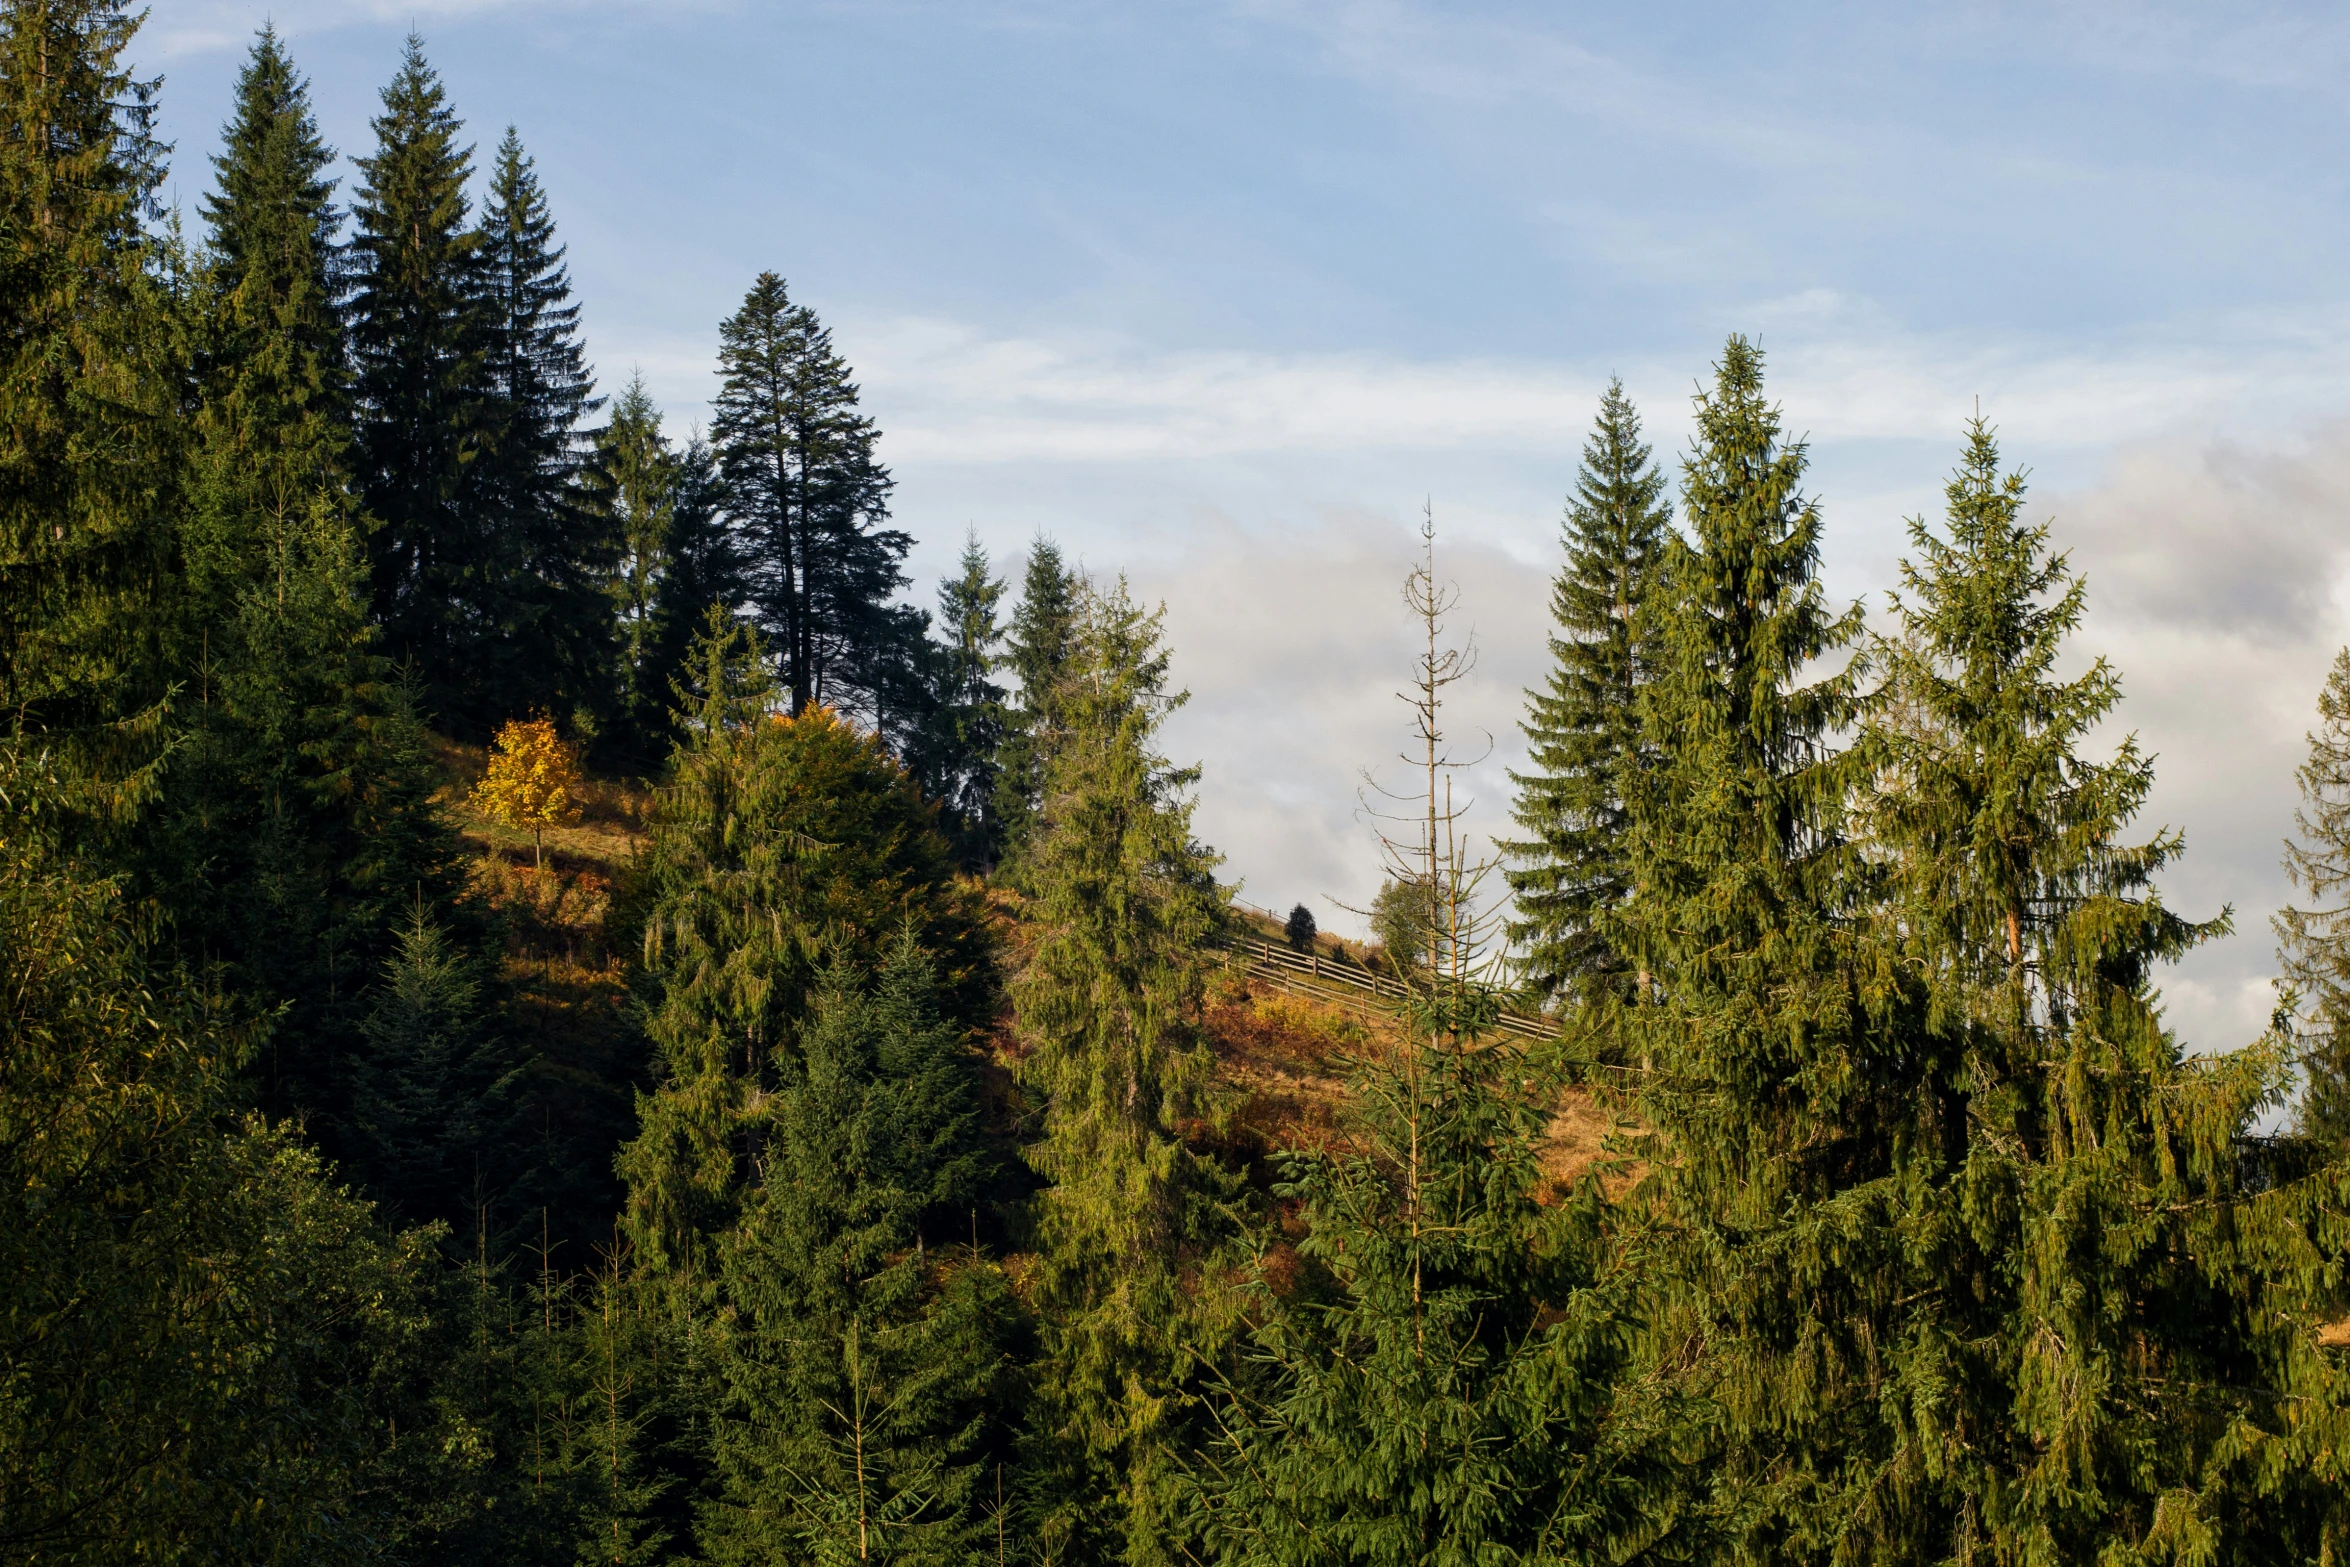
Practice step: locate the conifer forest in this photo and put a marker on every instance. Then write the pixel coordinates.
(555, 1007)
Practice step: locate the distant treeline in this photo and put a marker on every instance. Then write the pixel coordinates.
(866, 1188)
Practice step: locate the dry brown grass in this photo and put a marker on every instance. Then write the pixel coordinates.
(1284, 1059)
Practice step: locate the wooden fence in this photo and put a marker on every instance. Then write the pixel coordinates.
(1319, 977)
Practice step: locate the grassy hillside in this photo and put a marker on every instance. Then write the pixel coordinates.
(1284, 1058)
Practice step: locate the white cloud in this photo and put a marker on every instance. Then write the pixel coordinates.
(1294, 649)
(2217, 575)
(952, 395)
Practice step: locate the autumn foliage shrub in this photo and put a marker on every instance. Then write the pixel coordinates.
(533, 782)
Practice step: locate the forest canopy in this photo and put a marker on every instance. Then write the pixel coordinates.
(553, 1013)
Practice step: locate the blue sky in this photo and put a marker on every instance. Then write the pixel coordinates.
(1218, 293)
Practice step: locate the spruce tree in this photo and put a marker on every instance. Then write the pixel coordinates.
(702, 569)
(1436, 1372)
(273, 426)
(622, 1377)
(296, 820)
(633, 480)
(2313, 944)
(1433, 1373)
(1766, 1058)
(776, 843)
(428, 1089)
(861, 1374)
(90, 385)
(1583, 727)
(418, 342)
(806, 495)
(2093, 1309)
(541, 598)
(1108, 1008)
(1038, 645)
(969, 726)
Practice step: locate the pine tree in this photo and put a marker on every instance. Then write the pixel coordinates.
(1039, 644)
(805, 493)
(90, 386)
(418, 342)
(633, 480)
(1766, 1055)
(959, 763)
(429, 1087)
(1582, 728)
(1108, 1007)
(2313, 944)
(2092, 1295)
(777, 842)
(862, 1376)
(273, 427)
(542, 595)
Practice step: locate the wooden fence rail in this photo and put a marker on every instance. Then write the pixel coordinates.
(1320, 978)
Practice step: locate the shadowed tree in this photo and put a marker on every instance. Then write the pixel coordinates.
(805, 495)
(91, 370)
(543, 600)
(418, 340)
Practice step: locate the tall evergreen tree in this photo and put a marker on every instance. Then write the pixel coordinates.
(806, 495)
(2088, 1292)
(862, 1376)
(1038, 646)
(634, 480)
(418, 342)
(1436, 1374)
(296, 820)
(273, 427)
(2313, 943)
(90, 382)
(1583, 727)
(702, 570)
(1109, 1008)
(968, 728)
(1766, 1053)
(541, 600)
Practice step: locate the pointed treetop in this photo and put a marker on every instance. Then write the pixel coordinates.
(273, 207)
(416, 143)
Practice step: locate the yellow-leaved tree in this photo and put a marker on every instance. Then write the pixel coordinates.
(533, 781)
